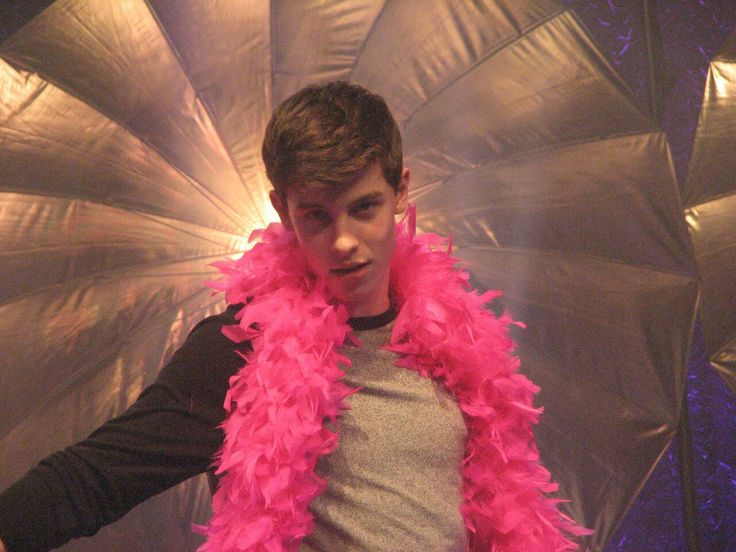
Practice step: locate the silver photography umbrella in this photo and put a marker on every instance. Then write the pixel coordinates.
(130, 133)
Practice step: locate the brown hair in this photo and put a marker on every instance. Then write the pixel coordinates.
(328, 134)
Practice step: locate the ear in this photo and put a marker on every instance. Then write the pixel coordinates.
(281, 207)
(402, 192)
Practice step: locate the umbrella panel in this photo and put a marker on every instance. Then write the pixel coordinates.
(576, 218)
(53, 144)
(713, 165)
(612, 198)
(73, 329)
(114, 58)
(103, 388)
(231, 72)
(439, 43)
(713, 230)
(587, 382)
(542, 91)
(149, 80)
(711, 203)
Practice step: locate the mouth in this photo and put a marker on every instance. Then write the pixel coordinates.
(350, 269)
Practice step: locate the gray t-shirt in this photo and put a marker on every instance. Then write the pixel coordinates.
(395, 480)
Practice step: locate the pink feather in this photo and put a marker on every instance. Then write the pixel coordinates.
(290, 384)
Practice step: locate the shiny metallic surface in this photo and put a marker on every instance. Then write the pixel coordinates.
(130, 133)
(710, 200)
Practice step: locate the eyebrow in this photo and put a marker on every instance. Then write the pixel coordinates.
(367, 197)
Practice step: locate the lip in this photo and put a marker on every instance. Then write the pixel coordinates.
(349, 270)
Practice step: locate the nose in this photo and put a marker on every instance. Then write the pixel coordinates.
(344, 242)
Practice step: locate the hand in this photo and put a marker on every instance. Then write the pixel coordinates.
(2, 546)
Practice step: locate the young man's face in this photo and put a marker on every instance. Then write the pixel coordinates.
(348, 235)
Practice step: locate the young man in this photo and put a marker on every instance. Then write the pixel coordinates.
(379, 407)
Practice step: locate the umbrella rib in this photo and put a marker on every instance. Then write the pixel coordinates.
(537, 150)
(546, 252)
(208, 110)
(156, 219)
(597, 389)
(79, 374)
(233, 216)
(107, 275)
(26, 102)
(271, 43)
(359, 53)
(138, 211)
(110, 242)
(727, 343)
(481, 60)
(187, 232)
(711, 199)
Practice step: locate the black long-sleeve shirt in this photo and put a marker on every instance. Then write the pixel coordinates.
(405, 431)
(168, 435)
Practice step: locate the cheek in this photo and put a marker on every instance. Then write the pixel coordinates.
(385, 241)
(315, 252)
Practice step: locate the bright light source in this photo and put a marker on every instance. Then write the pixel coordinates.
(723, 76)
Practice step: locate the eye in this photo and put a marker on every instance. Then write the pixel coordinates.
(366, 208)
(316, 215)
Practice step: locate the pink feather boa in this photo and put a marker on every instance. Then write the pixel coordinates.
(279, 400)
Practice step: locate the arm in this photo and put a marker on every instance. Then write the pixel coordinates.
(168, 435)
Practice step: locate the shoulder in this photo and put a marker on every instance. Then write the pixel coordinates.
(217, 321)
(207, 356)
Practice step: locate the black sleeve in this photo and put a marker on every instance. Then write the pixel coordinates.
(168, 435)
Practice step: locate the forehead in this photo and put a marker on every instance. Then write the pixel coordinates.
(369, 182)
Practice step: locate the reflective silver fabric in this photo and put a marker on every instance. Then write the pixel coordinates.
(129, 159)
(710, 200)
